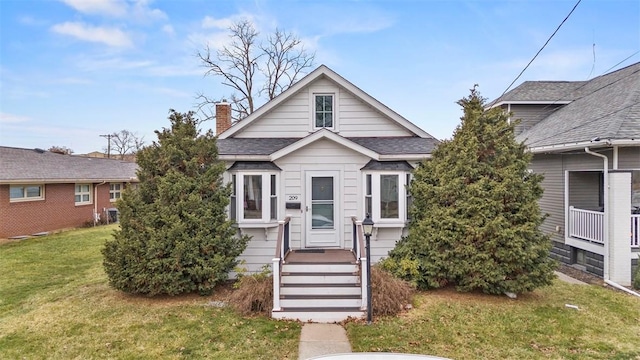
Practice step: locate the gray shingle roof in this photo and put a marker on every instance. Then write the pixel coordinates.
(21, 165)
(381, 145)
(543, 91)
(608, 107)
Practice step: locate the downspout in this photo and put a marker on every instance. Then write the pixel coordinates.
(605, 210)
(95, 202)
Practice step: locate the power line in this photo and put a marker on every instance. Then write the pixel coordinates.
(108, 136)
(539, 51)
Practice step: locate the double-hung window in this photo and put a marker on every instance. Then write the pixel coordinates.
(83, 194)
(254, 193)
(26, 193)
(115, 191)
(323, 111)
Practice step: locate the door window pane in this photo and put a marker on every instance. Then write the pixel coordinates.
(253, 196)
(322, 216)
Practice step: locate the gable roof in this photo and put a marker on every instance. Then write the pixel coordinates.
(268, 149)
(35, 165)
(606, 107)
(324, 72)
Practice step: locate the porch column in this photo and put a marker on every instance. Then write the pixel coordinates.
(619, 212)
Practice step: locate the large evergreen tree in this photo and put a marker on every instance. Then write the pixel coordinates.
(475, 215)
(174, 233)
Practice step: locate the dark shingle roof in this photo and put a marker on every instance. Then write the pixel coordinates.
(381, 145)
(543, 91)
(254, 165)
(19, 165)
(388, 165)
(608, 107)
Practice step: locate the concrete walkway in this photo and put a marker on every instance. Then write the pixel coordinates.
(569, 279)
(322, 339)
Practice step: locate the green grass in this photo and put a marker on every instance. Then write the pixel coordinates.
(55, 303)
(535, 326)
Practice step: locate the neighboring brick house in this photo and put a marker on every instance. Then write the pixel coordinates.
(41, 191)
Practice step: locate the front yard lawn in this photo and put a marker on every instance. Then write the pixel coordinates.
(55, 303)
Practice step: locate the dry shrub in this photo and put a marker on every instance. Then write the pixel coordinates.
(389, 295)
(253, 294)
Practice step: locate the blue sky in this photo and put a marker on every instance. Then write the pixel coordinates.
(72, 70)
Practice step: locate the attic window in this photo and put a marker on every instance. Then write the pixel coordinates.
(323, 111)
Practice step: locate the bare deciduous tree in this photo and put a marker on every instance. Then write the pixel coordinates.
(125, 142)
(61, 150)
(280, 60)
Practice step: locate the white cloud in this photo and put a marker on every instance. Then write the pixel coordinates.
(135, 9)
(106, 35)
(168, 29)
(12, 118)
(98, 64)
(100, 7)
(209, 22)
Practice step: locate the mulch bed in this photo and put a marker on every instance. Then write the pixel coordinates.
(580, 275)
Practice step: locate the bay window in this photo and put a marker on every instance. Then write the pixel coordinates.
(254, 194)
(386, 192)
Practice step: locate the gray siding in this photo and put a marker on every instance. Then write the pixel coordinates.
(584, 192)
(552, 201)
(629, 158)
(529, 115)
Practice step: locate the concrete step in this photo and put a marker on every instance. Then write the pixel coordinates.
(321, 302)
(319, 315)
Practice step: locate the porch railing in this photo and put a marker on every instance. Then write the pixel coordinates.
(361, 256)
(282, 248)
(635, 231)
(589, 225)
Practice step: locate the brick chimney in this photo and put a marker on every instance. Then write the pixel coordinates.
(223, 116)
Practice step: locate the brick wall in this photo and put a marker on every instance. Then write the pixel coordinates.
(56, 211)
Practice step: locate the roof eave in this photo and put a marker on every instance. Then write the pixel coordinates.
(64, 181)
(583, 144)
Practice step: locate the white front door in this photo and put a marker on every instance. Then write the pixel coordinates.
(322, 211)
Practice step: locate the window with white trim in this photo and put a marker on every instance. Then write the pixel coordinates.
(323, 111)
(385, 196)
(254, 197)
(29, 192)
(115, 191)
(83, 194)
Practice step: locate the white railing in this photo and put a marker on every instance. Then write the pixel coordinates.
(282, 249)
(589, 225)
(586, 225)
(635, 231)
(361, 256)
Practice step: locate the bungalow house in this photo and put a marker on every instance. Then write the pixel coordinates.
(41, 191)
(585, 137)
(305, 169)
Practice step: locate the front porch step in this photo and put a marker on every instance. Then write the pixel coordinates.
(319, 315)
(319, 278)
(319, 267)
(316, 302)
(330, 290)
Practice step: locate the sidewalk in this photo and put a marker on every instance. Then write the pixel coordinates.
(322, 339)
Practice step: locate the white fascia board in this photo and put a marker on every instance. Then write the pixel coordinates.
(324, 134)
(525, 102)
(581, 145)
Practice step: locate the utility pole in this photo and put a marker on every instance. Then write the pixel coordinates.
(108, 136)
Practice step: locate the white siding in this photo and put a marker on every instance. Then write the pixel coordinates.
(293, 118)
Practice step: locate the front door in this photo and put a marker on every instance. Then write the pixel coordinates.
(322, 209)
